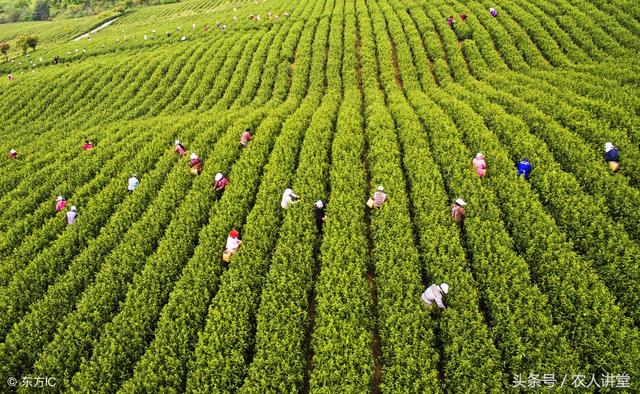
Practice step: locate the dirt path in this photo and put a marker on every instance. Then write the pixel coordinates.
(102, 26)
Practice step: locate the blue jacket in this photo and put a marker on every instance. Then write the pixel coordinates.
(612, 155)
(524, 168)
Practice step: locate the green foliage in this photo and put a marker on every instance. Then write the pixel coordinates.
(463, 30)
(43, 10)
(340, 97)
(4, 49)
(40, 10)
(31, 42)
(22, 43)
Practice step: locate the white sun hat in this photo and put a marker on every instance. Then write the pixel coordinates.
(60, 198)
(461, 202)
(608, 146)
(193, 156)
(218, 176)
(73, 208)
(177, 142)
(445, 288)
(380, 188)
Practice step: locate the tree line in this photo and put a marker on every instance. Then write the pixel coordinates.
(43, 10)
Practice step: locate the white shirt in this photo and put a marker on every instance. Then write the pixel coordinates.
(133, 183)
(433, 293)
(232, 244)
(287, 199)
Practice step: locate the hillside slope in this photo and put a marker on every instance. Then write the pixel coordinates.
(341, 96)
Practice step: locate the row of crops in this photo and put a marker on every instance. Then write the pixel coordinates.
(342, 96)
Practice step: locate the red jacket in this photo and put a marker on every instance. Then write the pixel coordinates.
(246, 137)
(60, 205)
(221, 184)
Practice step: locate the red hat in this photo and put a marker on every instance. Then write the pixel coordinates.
(233, 234)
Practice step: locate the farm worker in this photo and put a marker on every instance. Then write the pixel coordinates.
(133, 183)
(235, 17)
(233, 243)
(221, 182)
(72, 215)
(10, 76)
(480, 164)
(246, 137)
(145, 37)
(435, 293)
(56, 59)
(193, 26)
(493, 12)
(258, 18)
(288, 199)
(87, 145)
(12, 154)
(277, 17)
(450, 21)
(524, 168)
(612, 156)
(60, 203)
(286, 14)
(184, 38)
(180, 149)
(321, 214)
(379, 197)
(205, 28)
(195, 163)
(457, 210)
(463, 16)
(269, 14)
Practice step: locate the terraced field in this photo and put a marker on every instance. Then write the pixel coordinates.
(341, 96)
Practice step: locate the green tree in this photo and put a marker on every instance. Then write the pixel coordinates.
(32, 42)
(40, 10)
(25, 42)
(4, 49)
(17, 10)
(21, 43)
